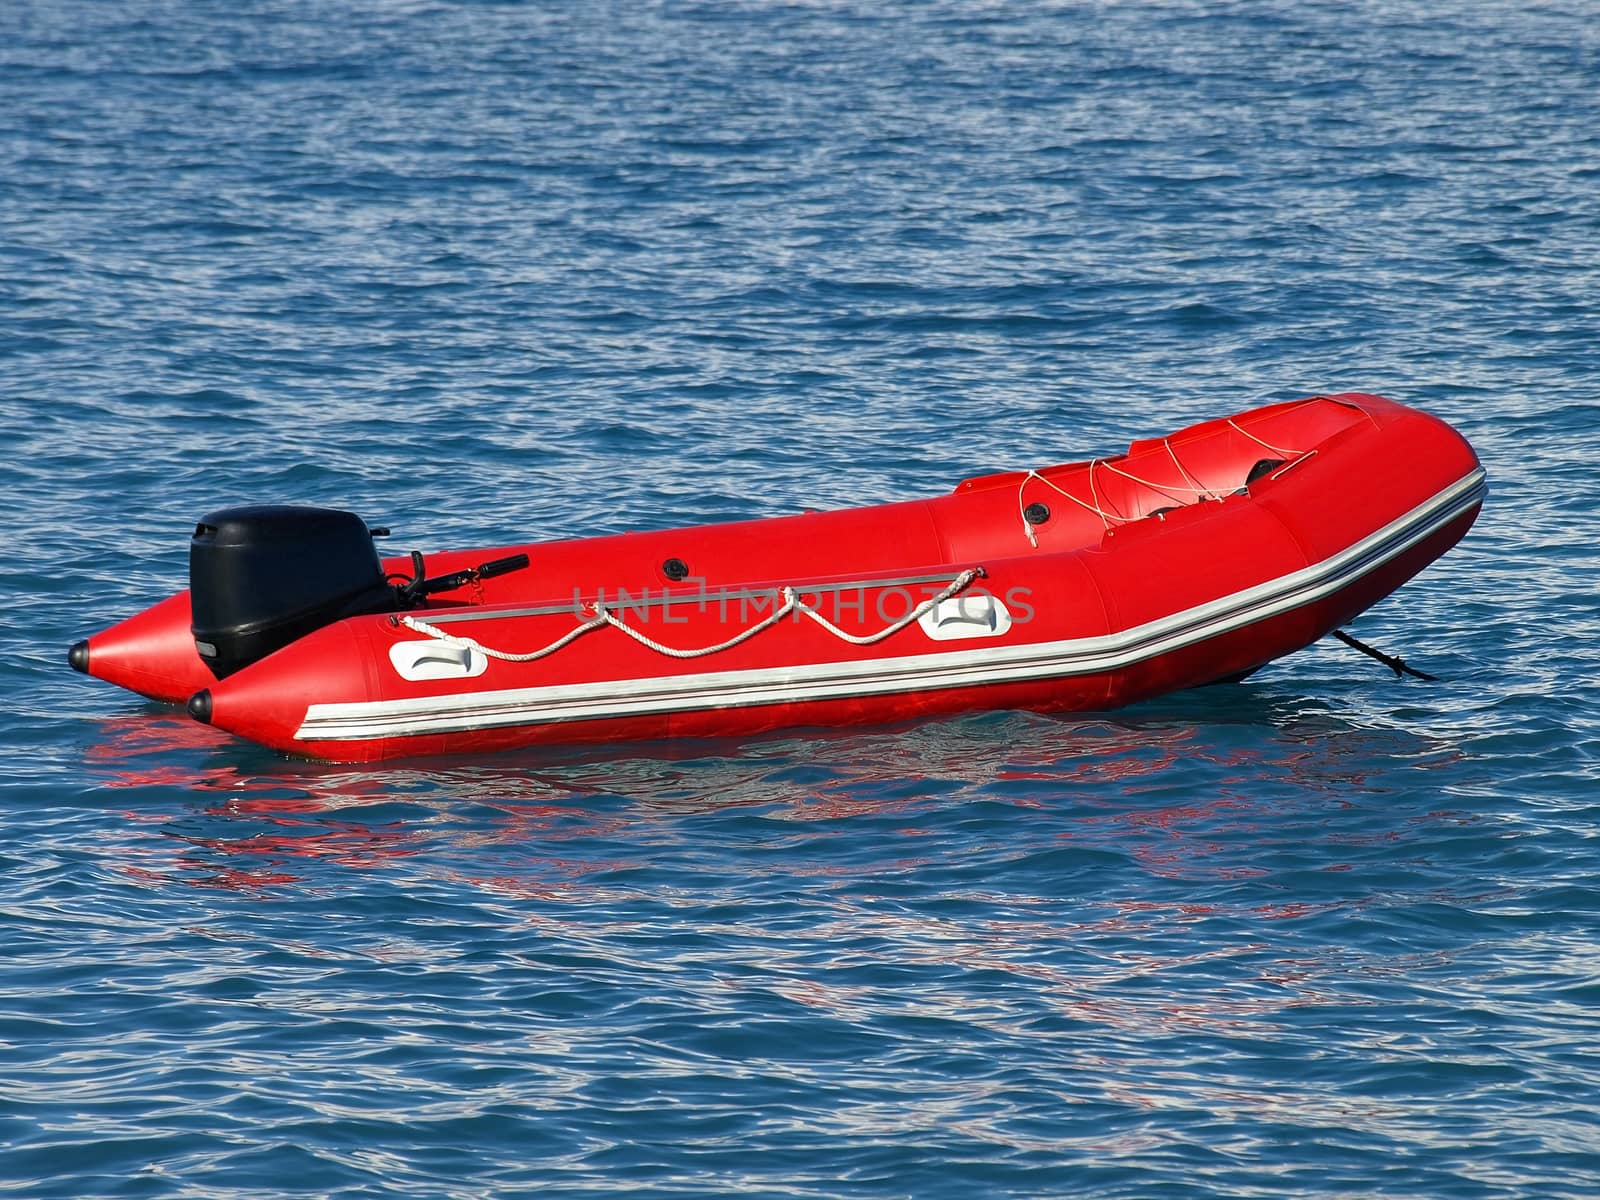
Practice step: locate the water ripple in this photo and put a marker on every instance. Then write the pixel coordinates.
(488, 272)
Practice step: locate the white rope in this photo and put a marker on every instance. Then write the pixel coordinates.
(1107, 517)
(571, 635)
(1027, 525)
(1166, 489)
(791, 603)
(1094, 493)
(1182, 470)
(790, 600)
(960, 581)
(1259, 442)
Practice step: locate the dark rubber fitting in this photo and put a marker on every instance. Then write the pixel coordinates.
(199, 706)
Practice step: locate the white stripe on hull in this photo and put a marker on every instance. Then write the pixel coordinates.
(652, 696)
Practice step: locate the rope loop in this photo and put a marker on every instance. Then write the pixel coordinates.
(777, 614)
(571, 635)
(1193, 487)
(956, 585)
(1261, 442)
(1027, 526)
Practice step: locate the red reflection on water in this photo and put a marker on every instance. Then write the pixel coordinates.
(167, 753)
(140, 733)
(139, 751)
(257, 827)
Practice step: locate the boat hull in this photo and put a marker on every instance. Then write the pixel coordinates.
(1080, 588)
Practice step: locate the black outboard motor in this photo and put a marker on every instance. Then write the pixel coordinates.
(264, 575)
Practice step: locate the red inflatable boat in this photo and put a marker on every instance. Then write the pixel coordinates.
(1192, 558)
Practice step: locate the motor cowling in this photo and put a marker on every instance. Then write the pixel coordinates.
(261, 576)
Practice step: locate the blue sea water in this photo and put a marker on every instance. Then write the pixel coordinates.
(491, 271)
